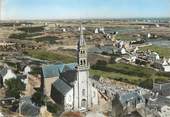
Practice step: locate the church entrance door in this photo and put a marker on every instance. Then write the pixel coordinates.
(83, 103)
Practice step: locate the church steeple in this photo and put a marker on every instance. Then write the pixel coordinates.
(81, 50)
(81, 41)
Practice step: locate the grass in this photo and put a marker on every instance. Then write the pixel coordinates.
(125, 37)
(127, 73)
(48, 39)
(24, 36)
(32, 29)
(116, 76)
(51, 56)
(165, 52)
(29, 36)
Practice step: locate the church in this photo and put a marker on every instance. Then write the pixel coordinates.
(69, 84)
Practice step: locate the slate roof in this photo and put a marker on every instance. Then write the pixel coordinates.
(28, 109)
(61, 86)
(3, 71)
(69, 76)
(160, 101)
(130, 96)
(54, 70)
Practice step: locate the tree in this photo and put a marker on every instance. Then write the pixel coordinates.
(148, 83)
(14, 87)
(52, 107)
(38, 98)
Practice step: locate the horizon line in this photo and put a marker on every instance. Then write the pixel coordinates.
(109, 18)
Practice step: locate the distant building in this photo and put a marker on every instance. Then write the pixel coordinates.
(153, 56)
(162, 65)
(157, 25)
(162, 88)
(6, 74)
(120, 51)
(149, 35)
(63, 29)
(142, 27)
(96, 31)
(102, 30)
(27, 70)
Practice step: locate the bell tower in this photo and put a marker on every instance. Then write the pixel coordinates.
(82, 86)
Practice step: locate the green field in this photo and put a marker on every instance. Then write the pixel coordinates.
(32, 29)
(51, 56)
(128, 73)
(164, 52)
(24, 36)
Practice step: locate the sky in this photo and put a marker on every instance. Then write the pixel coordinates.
(79, 9)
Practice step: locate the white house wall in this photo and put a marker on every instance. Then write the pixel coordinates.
(166, 68)
(9, 75)
(68, 101)
(94, 96)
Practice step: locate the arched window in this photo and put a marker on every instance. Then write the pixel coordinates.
(83, 103)
(84, 62)
(81, 62)
(83, 92)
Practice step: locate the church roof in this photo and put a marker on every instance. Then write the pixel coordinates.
(69, 76)
(54, 70)
(61, 86)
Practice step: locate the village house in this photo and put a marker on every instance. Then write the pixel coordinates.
(69, 84)
(162, 88)
(96, 31)
(162, 65)
(6, 73)
(27, 108)
(27, 69)
(159, 106)
(124, 104)
(153, 56)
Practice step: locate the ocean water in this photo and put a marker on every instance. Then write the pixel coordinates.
(160, 42)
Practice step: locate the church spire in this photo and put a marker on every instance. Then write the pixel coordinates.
(81, 50)
(82, 41)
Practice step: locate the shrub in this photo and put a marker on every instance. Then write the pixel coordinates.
(14, 87)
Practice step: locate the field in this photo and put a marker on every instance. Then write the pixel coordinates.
(165, 52)
(51, 56)
(128, 73)
(125, 37)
